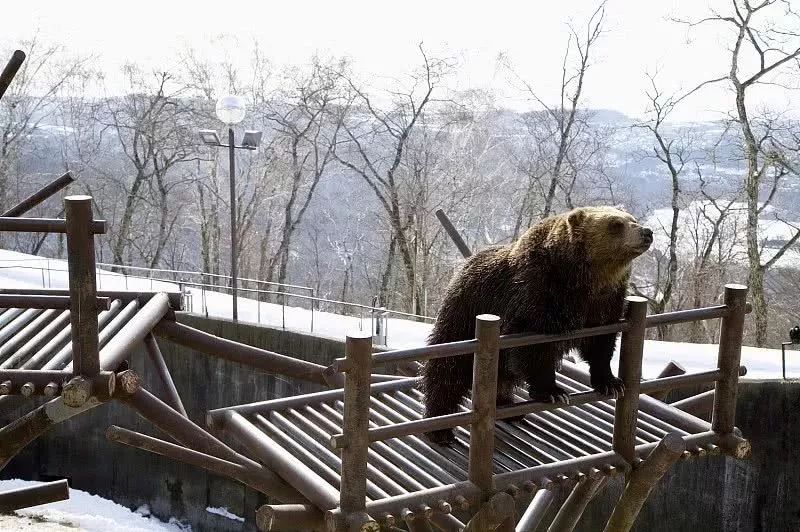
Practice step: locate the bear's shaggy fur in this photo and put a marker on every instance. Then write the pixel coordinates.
(567, 272)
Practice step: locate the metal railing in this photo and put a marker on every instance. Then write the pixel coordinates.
(377, 316)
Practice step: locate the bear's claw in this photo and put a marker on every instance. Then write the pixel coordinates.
(556, 395)
(612, 387)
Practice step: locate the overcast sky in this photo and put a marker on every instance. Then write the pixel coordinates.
(381, 38)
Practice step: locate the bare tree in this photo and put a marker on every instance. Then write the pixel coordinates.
(773, 46)
(375, 145)
(153, 128)
(549, 162)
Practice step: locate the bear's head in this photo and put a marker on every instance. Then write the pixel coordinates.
(611, 236)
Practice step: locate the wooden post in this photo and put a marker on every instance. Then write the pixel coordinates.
(730, 354)
(484, 402)
(82, 289)
(536, 510)
(570, 512)
(642, 480)
(353, 492)
(630, 371)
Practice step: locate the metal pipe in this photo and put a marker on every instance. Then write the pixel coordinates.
(82, 289)
(237, 352)
(234, 250)
(630, 372)
(10, 70)
(46, 302)
(730, 353)
(642, 480)
(160, 364)
(484, 399)
(45, 225)
(26, 497)
(39, 196)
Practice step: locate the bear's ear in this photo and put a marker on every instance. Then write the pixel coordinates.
(576, 217)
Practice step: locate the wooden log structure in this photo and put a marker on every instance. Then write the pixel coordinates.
(39, 196)
(157, 358)
(46, 302)
(536, 511)
(352, 494)
(730, 353)
(642, 480)
(10, 70)
(26, 497)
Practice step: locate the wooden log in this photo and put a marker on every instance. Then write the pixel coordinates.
(277, 459)
(571, 511)
(484, 402)
(10, 70)
(495, 512)
(446, 522)
(290, 517)
(730, 353)
(83, 292)
(124, 295)
(46, 302)
(672, 369)
(185, 432)
(353, 497)
(134, 332)
(40, 195)
(157, 358)
(45, 225)
(453, 233)
(241, 353)
(699, 405)
(536, 511)
(642, 480)
(630, 371)
(189, 456)
(19, 498)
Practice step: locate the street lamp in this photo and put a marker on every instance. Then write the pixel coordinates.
(231, 110)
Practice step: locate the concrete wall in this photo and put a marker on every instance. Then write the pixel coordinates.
(708, 495)
(78, 449)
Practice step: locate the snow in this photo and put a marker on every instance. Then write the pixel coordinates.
(772, 231)
(224, 512)
(84, 512)
(18, 270)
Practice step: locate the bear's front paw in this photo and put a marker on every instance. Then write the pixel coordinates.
(441, 437)
(610, 386)
(556, 394)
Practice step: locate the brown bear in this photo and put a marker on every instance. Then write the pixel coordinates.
(567, 272)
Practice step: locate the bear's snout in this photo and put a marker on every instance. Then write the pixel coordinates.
(647, 235)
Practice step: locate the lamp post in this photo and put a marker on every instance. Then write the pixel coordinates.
(231, 110)
(794, 339)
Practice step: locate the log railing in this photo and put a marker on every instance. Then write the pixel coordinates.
(355, 509)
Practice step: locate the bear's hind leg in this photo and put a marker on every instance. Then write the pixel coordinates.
(541, 376)
(445, 383)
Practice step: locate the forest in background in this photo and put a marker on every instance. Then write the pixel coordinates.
(341, 195)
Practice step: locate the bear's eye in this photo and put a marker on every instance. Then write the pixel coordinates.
(616, 226)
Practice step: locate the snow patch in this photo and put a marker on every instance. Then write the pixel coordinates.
(224, 512)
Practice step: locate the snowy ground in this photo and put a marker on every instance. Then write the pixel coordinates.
(18, 270)
(82, 512)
